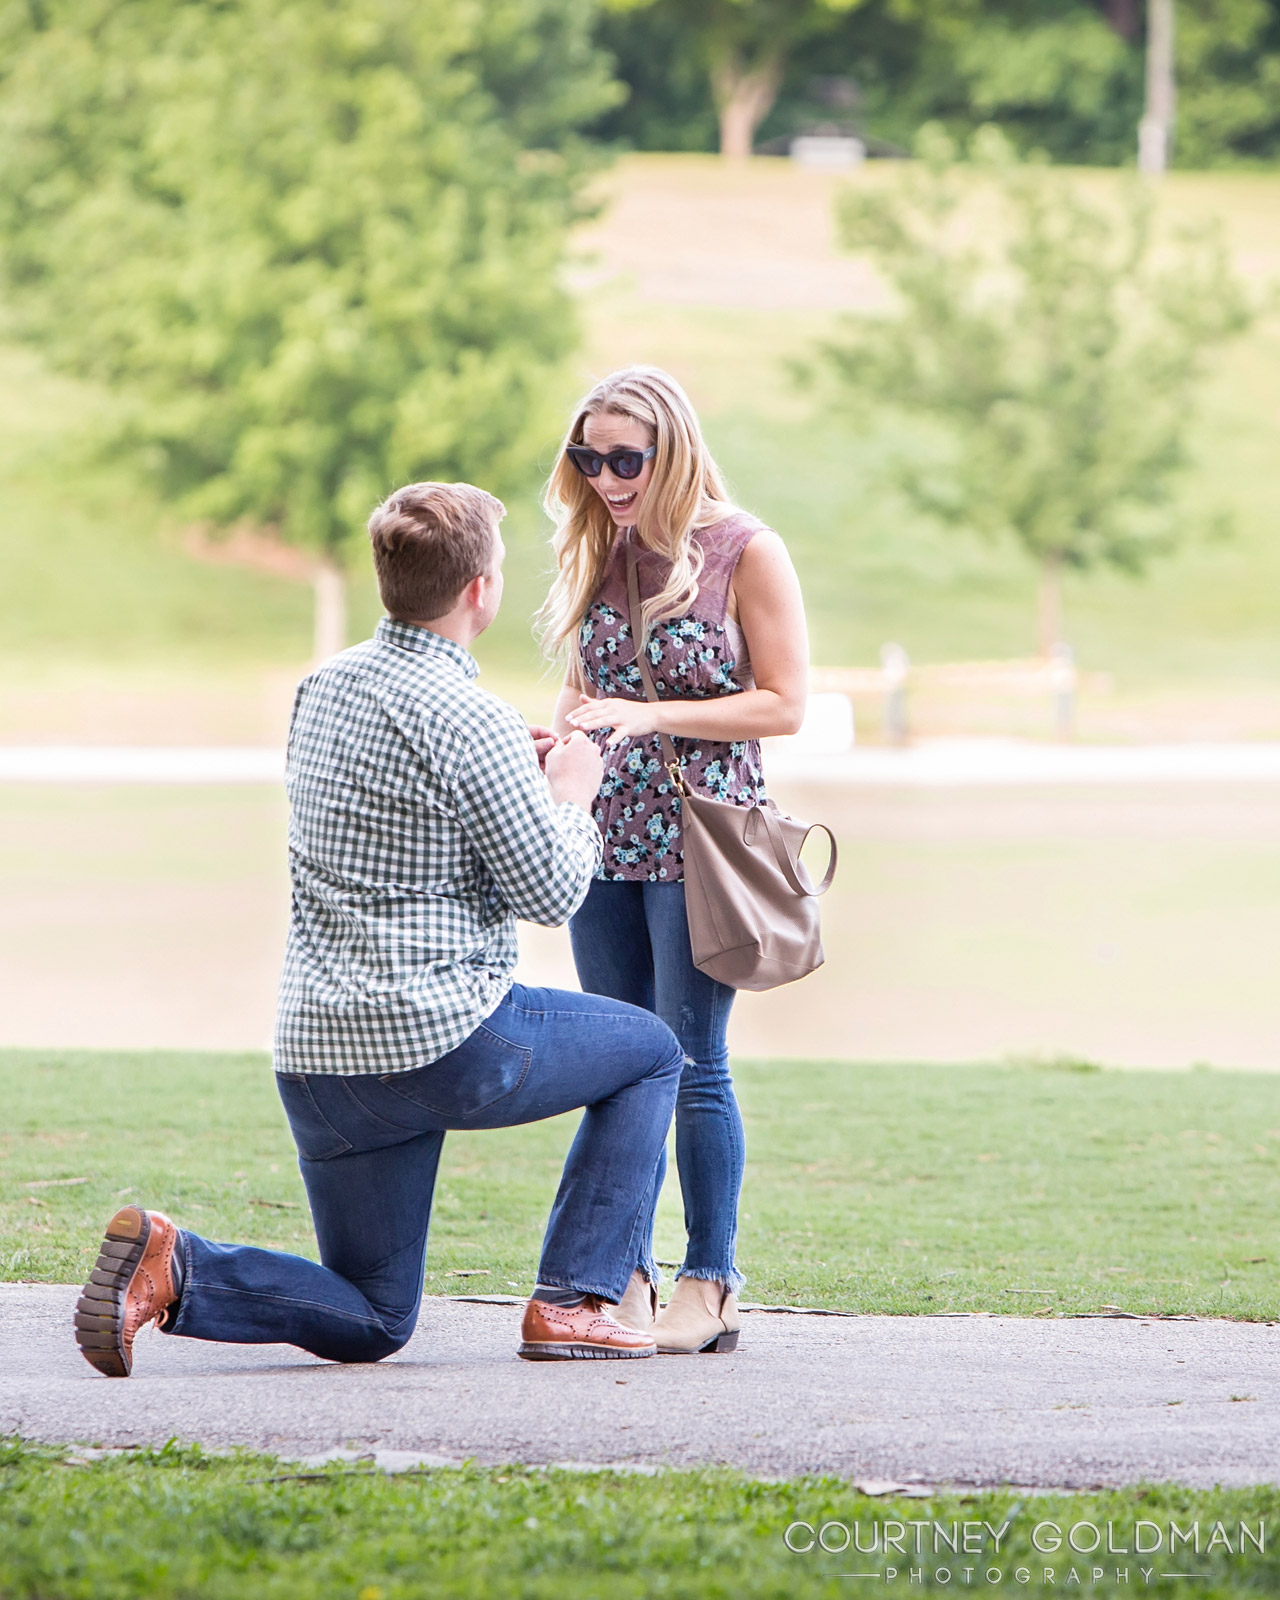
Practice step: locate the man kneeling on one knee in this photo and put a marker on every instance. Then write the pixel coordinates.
(421, 826)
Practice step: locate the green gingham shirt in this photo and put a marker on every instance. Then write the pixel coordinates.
(420, 828)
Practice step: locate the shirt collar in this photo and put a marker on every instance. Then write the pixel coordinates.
(409, 636)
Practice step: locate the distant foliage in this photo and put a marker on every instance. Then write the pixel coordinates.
(1068, 77)
(1063, 76)
(741, 48)
(669, 54)
(1057, 78)
(1056, 344)
(316, 249)
(668, 103)
(1229, 83)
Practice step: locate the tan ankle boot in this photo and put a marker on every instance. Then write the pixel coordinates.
(639, 1305)
(700, 1316)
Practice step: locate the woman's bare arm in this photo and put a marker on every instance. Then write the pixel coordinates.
(771, 615)
(567, 700)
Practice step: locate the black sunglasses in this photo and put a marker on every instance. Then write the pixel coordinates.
(622, 463)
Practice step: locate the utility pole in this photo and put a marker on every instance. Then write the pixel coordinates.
(1155, 131)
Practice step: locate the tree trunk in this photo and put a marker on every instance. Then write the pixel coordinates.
(1123, 17)
(744, 97)
(330, 610)
(1155, 131)
(1050, 604)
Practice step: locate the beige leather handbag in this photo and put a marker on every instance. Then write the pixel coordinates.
(752, 907)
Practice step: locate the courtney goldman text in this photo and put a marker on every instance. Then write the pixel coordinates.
(925, 1537)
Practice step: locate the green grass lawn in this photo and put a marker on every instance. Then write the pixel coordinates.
(1018, 1189)
(175, 1523)
(92, 571)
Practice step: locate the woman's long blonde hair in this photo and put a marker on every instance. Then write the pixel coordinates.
(686, 491)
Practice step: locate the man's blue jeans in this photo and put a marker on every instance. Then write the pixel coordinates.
(369, 1147)
(631, 942)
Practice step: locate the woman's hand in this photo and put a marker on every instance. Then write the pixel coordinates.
(629, 719)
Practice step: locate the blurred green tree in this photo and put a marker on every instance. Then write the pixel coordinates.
(742, 45)
(1054, 344)
(1064, 76)
(316, 250)
(1228, 68)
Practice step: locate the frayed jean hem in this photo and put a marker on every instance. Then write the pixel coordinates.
(732, 1279)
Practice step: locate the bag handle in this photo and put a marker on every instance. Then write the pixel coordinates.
(669, 755)
(786, 863)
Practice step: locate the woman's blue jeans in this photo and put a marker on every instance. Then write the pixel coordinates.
(631, 942)
(369, 1146)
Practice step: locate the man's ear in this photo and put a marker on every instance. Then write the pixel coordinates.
(473, 594)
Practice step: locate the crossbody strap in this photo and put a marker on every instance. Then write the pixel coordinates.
(786, 864)
(669, 756)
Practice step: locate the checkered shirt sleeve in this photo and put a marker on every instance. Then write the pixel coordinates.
(535, 851)
(420, 828)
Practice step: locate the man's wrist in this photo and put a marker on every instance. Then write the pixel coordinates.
(571, 796)
(583, 806)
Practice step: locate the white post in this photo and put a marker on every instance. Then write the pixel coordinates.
(1155, 131)
(895, 665)
(330, 610)
(1062, 676)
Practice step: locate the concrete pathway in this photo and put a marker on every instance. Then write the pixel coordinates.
(928, 763)
(878, 1400)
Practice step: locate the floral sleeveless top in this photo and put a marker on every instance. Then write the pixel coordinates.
(699, 656)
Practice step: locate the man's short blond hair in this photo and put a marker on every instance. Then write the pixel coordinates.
(429, 541)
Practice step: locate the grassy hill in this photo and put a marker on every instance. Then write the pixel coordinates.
(724, 277)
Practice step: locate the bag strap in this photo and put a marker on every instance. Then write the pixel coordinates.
(669, 755)
(787, 864)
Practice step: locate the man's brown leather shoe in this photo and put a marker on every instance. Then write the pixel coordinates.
(588, 1332)
(132, 1284)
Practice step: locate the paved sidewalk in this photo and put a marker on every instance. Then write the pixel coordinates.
(928, 763)
(969, 1400)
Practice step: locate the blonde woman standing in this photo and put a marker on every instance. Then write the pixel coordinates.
(726, 642)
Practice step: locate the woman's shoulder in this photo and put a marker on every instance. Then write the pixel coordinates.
(730, 535)
(727, 541)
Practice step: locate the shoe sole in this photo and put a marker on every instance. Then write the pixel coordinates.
(719, 1344)
(100, 1309)
(581, 1352)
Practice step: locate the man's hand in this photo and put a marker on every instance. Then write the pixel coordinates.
(627, 719)
(574, 767)
(544, 741)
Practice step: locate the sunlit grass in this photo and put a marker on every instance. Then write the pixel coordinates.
(169, 1524)
(1033, 1189)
